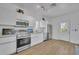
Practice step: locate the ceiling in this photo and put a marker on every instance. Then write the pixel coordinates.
(35, 9)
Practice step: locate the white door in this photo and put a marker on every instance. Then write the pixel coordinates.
(74, 33)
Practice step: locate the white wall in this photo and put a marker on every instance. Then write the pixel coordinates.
(7, 14)
(72, 19)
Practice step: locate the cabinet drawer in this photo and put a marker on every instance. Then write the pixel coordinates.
(7, 39)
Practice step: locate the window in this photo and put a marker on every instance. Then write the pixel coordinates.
(63, 27)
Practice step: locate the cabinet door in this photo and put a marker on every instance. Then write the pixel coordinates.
(8, 48)
(7, 15)
(40, 38)
(33, 41)
(36, 39)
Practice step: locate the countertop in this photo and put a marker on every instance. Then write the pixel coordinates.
(4, 36)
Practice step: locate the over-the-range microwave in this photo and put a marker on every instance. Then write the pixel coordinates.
(20, 23)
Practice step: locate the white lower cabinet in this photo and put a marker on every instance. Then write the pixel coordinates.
(36, 38)
(8, 48)
(34, 41)
(8, 45)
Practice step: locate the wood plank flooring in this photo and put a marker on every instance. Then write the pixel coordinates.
(50, 47)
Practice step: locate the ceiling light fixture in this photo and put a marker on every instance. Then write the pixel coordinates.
(50, 6)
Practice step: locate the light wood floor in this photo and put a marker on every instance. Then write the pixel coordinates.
(50, 47)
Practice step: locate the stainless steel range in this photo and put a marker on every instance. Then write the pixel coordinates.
(23, 40)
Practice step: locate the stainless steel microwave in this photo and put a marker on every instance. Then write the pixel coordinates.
(8, 31)
(22, 23)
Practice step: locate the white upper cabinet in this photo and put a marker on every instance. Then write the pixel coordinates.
(31, 20)
(42, 24)
(7, 14)
(32, 23)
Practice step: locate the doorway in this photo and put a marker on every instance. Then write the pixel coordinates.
(49, 31)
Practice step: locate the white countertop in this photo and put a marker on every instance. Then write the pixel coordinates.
(4, 36)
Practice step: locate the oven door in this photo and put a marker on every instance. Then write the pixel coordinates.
(23, 41)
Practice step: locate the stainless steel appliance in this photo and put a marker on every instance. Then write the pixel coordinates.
(21, 23)
(7, 30)
(23, 40)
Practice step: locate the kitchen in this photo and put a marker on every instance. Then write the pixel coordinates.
(18, 30)
(38, 28)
